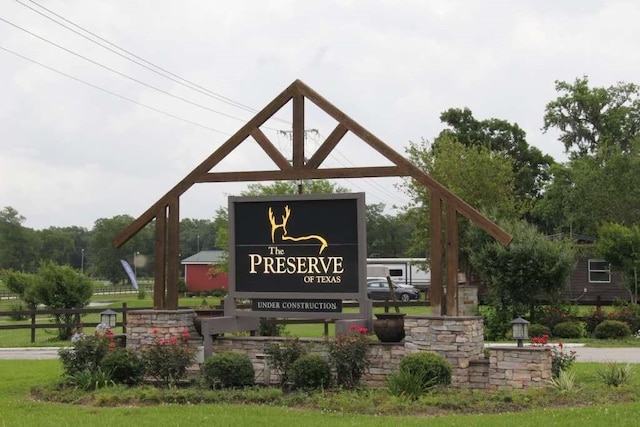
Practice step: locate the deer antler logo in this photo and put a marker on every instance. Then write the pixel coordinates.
(285, 235)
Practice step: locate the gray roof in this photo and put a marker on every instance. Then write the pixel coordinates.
(206, 257)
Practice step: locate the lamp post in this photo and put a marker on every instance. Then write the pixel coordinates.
(198, 246)
(108, 318)
(82, 260)
(520, 328)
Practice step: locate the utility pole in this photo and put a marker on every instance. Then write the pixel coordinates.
(289, 135)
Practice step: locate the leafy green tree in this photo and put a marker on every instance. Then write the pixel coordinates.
(595, 120)
(530, 166)
(19, 246)
(620, 246)
(481, 177)
(58, 245)
(196, 235)
(106, 258)
(587, 192)
(387, 235)
(521, 276)
(60, 287)
(18, 283)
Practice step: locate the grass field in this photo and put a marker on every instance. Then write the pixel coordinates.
(17, 409)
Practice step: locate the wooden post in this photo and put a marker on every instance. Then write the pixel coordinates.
(33, 325)
(124, 317)
(435, 253)
(160, 272)
(173, 254)
(452, 260)
(298, 135)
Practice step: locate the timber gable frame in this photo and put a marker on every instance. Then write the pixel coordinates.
(166, 210)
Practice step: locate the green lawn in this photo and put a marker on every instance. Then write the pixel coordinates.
(17, 409)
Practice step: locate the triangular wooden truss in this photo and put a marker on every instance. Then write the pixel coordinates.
(166, 210)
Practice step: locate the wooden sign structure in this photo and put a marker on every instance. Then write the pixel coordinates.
(166, 211)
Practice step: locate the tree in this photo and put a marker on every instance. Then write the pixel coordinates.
(387, 235)
(196, 235)
(106, 258)
(620, 246)
(19, 246)
(481, 177)
(587, 192)
(594, 121)
(60, 287)
(530, 166)
(531, 270)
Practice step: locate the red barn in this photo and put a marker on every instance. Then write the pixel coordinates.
(197, 271)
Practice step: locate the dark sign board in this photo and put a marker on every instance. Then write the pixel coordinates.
(296, 245)
(297, 305)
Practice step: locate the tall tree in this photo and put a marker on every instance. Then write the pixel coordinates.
(483, 178)
(594, 121)
(387, 235)
(530, 166)
(196, 235)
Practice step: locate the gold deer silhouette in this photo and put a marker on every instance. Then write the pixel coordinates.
(285, 236)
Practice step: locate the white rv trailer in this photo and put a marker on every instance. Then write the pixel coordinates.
(409, 271)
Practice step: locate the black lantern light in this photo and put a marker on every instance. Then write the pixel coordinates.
(520, 329)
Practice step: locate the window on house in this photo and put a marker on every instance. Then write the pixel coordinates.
(395, 272)
(599, 271)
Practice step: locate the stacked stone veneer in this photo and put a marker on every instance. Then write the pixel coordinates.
(144, 326)
(458, 339)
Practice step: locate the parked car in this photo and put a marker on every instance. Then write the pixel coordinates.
(378, 289)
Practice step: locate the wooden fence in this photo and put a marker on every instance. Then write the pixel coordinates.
(33, 315)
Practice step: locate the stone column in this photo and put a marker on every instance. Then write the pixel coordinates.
(143, 326)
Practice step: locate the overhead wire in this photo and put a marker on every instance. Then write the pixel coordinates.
(117, 95)
(125, 75)
(140, 60)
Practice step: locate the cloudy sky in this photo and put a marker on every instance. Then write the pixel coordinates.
(71, 153)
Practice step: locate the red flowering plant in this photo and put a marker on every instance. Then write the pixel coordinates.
(167, 359)
(349, 356)
(561, 360)
(87, 351)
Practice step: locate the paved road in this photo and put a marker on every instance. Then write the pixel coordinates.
(585, 354)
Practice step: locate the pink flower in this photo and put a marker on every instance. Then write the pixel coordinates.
(560, 344)
(173, 340)
(154, 331)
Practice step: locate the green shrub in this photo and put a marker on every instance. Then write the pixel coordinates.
(282, 356)
(565, 382)
(410, 384)
(627, 313)
(538, 330)
(615, 374)
(228, 370)
(612, 329)
(436, 369)
(568, 330)
(310, 372)
(86, 354)
(124, 365)
(593, 319)
(90, 380)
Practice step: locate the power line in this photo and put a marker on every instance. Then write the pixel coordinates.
(125, 75)
(163, 72)
(133, 101)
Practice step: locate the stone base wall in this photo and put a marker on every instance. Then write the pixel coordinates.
(144, 326)
(516, 368)
(459, 339)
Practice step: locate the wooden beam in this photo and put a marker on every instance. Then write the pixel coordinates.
(452, 260)
(397, 159)
(160, 261)
(435, 253)
(204, 167)
(270, 149)
(173, 254)
(298, 130)
(293, 174)
(327, 146)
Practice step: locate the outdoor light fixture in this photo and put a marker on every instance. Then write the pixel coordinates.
(520, 328)
(108, 317)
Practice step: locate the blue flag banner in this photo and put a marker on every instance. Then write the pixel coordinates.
(129, 271)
